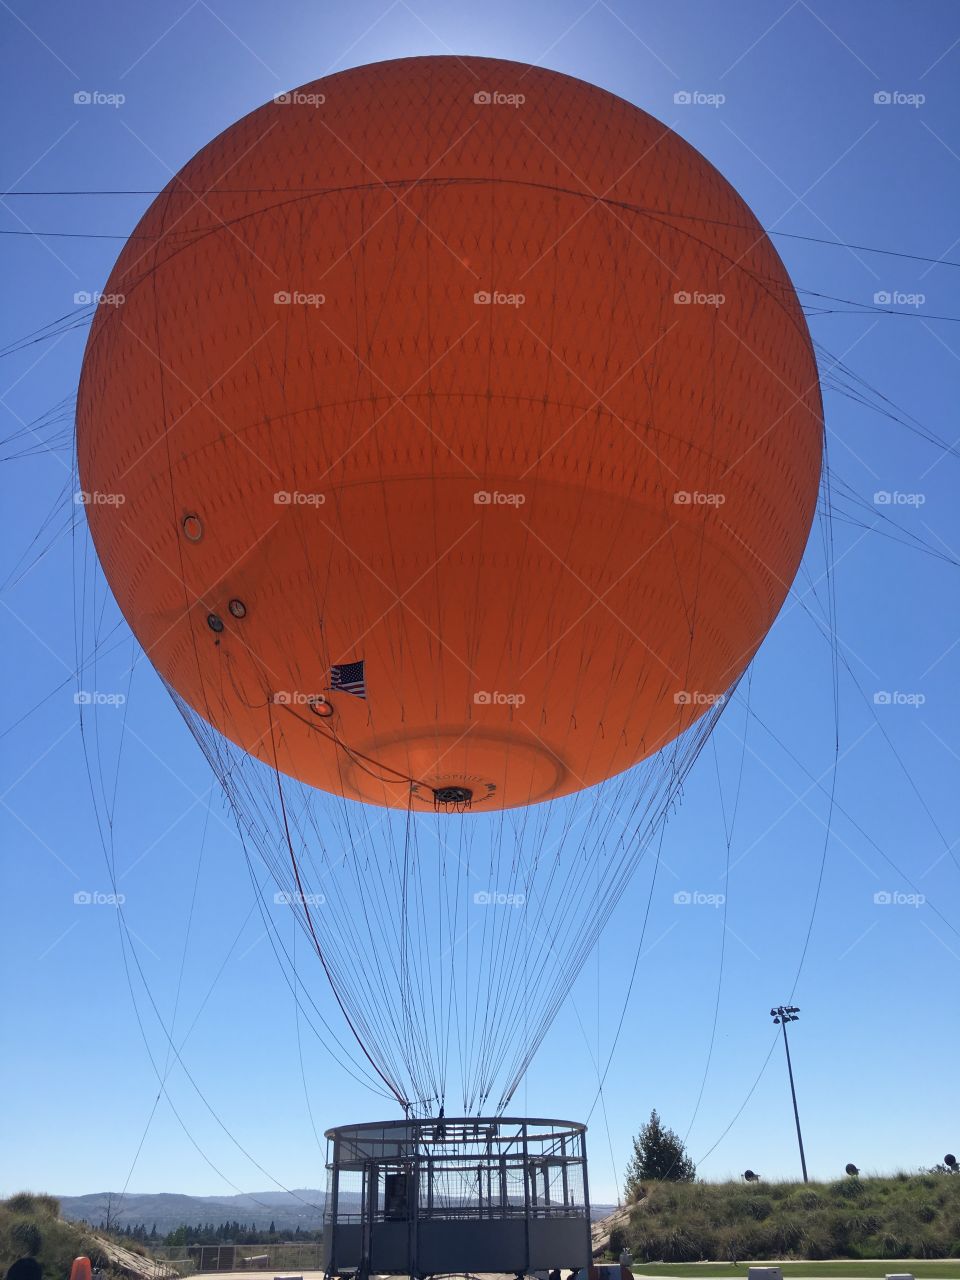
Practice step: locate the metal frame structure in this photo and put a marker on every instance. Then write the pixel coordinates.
(423, 1197)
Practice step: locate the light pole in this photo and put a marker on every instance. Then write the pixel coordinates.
(781, 1016)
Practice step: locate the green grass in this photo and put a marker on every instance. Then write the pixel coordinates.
(922, 1268)
(904, 1216)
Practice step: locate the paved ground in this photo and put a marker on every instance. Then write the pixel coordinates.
(318, 1275)
(259, 1275)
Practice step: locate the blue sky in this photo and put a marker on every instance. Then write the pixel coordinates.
(800, 135)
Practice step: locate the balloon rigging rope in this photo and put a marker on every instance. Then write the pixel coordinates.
(316, 942)
(104, 808)
(416, 961)
(702, 532)
(411, 828)
(230, 779)
(832, 617)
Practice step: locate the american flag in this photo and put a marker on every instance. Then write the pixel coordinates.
(348, 678)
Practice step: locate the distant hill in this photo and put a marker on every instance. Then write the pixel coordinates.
(170, 1210)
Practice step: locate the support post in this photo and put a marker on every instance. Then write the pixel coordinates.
(586, 1198)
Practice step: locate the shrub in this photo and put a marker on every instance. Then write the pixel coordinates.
(25, 1236)
(759, 1207)
(618, 1240)
(32, 1204)
(678, 1246)
(847, 1189)
(806, 1200)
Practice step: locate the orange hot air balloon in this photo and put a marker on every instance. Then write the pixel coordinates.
(452, 429)
(80, 1269)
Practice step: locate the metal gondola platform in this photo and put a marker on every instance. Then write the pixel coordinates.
(423, 1197)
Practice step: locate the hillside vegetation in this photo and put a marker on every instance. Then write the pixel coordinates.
(905, 1216)
(31, 1225)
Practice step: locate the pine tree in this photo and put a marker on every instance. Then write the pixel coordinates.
(658, 1154)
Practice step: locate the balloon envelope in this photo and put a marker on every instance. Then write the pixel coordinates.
(469, 385)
